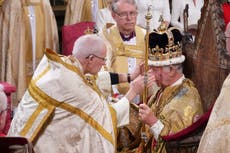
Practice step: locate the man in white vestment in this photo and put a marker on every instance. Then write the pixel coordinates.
(64, 111)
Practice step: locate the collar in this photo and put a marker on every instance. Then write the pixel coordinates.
(179, 81)
(127, 38)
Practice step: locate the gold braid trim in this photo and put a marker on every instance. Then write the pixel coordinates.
(88, 80)
(114, 120)
(47, 102)
(36, 113)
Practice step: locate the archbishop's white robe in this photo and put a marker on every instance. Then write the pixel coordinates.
(62, 112)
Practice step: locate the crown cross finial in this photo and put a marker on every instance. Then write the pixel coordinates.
(162, 27)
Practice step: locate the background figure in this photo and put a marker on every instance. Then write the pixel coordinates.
(82, 10)
(158, 8)
(177, 103)
(3, 110)
(216, 136)
(27, 28)
(104, 17)
(126, 47)
(125, 41)
(194, 13)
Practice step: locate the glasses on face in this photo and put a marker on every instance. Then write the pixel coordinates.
(92, 55)
(124, 15)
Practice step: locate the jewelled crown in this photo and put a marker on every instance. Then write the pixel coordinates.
(165, 46)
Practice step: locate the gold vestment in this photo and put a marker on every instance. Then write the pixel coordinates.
(177, 107)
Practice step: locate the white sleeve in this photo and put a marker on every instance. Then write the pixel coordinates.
(177, 7)
(104, 83)
(156, 129)
(122, 110)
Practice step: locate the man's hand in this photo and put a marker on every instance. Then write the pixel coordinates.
(137, 86)
(146, 115)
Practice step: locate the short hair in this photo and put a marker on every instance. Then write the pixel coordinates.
(88, 44)
(114, 5)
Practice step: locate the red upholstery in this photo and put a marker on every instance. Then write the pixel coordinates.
(192, 128)
(70, 33)
(15, 144)
(8, 89)
(226, 10)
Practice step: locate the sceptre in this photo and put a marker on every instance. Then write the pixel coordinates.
(148, 17)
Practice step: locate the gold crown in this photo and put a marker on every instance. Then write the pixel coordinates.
(165, 46)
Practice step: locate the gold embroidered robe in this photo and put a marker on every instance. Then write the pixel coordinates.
(62, 111)
(177, 107)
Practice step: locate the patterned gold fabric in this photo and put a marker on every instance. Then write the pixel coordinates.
(177, 107)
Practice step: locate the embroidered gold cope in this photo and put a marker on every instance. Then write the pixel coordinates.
(177, 107)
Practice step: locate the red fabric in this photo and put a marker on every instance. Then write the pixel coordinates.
(192, 128)
(70, 33)
(226, 11)
(6, 142)
(8, 89)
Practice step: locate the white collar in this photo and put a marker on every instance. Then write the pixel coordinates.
(179, 81)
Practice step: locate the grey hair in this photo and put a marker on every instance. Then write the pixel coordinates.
(114, 5)
(88, 44)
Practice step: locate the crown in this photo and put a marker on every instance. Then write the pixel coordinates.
(165, 46)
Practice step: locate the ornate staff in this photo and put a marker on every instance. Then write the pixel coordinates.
(148, 17)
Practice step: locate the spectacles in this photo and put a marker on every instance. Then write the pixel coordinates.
(124, 15)
(104, 59)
